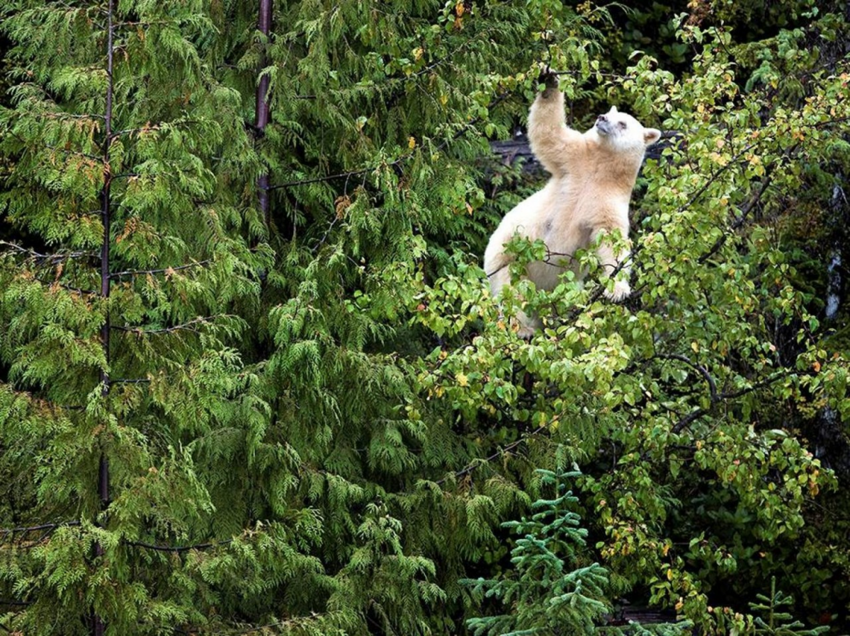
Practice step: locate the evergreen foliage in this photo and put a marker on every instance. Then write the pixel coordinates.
(774, 621)
(311, 418)
(550, 589)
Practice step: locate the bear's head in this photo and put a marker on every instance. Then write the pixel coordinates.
(624, 133)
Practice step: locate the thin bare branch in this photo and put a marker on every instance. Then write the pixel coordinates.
(186, 326)
(43, 526)
(50, 259)
(164, 270)
(176, 549)
(478, 463)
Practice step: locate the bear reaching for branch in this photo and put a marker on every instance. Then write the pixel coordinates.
(593, 174)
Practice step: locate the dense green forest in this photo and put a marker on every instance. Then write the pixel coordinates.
(252, 379)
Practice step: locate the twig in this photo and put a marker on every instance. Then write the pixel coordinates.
(44, 526)
(52, 259)
(712, 386)
(694, 415)
(686, 421)
(745, 211)
(176, 549)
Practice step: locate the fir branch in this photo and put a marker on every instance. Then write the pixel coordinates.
(66, 151)
(62, 115)
(149, 128)
(470, 125)
(143, 23)
(245, 631)
(333, 177)
(77, 290)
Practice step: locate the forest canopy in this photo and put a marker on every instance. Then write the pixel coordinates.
(253, 381)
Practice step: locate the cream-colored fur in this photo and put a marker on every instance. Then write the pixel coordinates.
(593, 174)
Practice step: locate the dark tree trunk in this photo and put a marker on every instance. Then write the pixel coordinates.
(98, 626)
(262, 115)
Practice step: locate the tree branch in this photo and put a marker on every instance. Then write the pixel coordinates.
(52, 259)
(712, 386)
(176, 549)
(694, 415)
(739, 222)
(185, 325)
(164, 270)
(500, 453)
(44, 526)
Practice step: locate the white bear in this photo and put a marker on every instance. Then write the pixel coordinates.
(593, 174)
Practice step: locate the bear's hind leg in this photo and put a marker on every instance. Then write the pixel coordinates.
(611, 262)
(500, 277)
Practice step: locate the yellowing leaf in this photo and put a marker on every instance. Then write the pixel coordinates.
(462, 380)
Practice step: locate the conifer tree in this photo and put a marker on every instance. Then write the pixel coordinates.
(774, 620)
(549, 589)
(120, 307)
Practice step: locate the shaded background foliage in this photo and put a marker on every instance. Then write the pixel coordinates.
(318, 425)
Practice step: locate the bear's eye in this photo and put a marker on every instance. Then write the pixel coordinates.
(622, 125)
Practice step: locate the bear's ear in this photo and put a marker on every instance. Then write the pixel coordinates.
(651, 135)
(613, 110)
